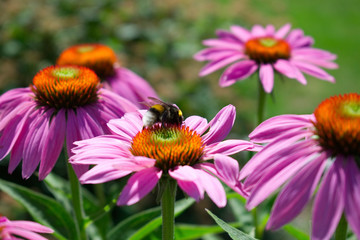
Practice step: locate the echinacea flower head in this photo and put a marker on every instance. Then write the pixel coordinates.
(304, 151)
(285, 51)
(64, 103)
(103, 60)
(14, 230)
(181, 152)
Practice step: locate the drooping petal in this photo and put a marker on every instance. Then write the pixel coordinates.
(277, 175)
(183, 173)
(227, 147)
(222, 43)
(266, 74)
(220, 125)
(329, 201)
(214, 53)
(289, 70)
(24, 233)
(352, 193)
(193, 189)
(128, 126)
(115, 103)
(276, 126)
(293, 198)
(53, 141)
(139, 185)
(238, 71)
(32, 226)
(130, 86)
(313, 70)
(102, 173)
(228, 168)
(219, 63)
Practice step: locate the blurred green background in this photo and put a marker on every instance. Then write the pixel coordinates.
(157, 40)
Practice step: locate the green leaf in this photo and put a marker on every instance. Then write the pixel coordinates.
(143, 223)
(233, 232)
(43, 209)
(189, 231)
(297, 233)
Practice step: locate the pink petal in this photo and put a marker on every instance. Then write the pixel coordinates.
(313, 53)
(329, 202)
(313, 71)
(53, 141)
(32, 226)
(214, 53)
(135, 164)
(196, 123)
(183, 173)
(258, 31)
(227, 147)
(266, 74)
(139, 185)
(24, 233)
(130, 86)
(193, 189)
(128, 126)
(241, 33)
(220, 125)
(281, 33)
(219, 63)
(115, 103)
(102, 173)
(352, 193)
(296, 193)
(238, 71)
(222, 43)
(272, 179)
(276, 126)
(228, 168)
(289, 70)
(270, 30)
(213, 188)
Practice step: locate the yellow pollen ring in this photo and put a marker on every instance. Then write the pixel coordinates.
(65, 86)
(97, 57)
(337, 124)
(171, 147)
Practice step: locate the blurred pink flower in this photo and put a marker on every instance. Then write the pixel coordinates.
(63, 103)
(104, 62)
(266, 50)
(302, 148)
(24, 229)
(180, 152)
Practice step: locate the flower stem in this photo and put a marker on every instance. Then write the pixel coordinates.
(341, 229)
(168, 207)
(261, 103)
(76, 198)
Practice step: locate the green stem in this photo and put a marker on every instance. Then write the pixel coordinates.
(168, 207)
(341, 229)
(261, 103)
(76, 198)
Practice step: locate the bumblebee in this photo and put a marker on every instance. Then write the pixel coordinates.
(161, 112)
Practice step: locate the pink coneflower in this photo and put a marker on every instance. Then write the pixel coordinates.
(12, 230)
(104, 62)
(180, 152)
(266, 50)
(63, 103)
(302, 148)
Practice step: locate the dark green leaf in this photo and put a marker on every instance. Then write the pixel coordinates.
(43, 209)
(233, 232)
(188, 231)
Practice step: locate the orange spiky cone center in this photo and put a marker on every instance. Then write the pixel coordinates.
(267, 49)
(97, 57)
(65, 87)
(338, 124)
(169, 146)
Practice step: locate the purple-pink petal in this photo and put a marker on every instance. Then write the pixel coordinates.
(228, 168)
(183, 173)
(258, 31)
(103, 173)
(295, 195)
(289, 70)
(281, 33)
(329, 201)
(192, 188)
(222, 43)
(139, 185)
(32, 226)
(220, 63)
(241, 33)
(238, 71)
(266, 74)
(352, 193)
(227, 147)
(127, 126)
(27, 234)
(220, 125)
(197, 124)
(214, 53)
(313, 70)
